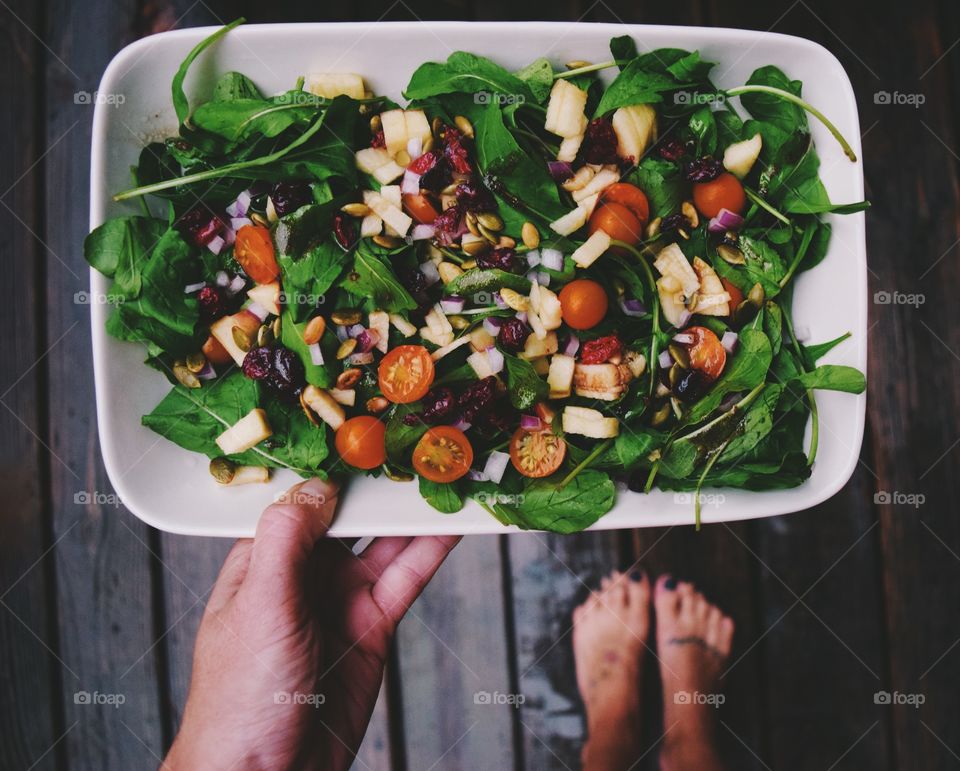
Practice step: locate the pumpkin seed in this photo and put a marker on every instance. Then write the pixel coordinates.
(472, 224)
(677, 407)
(427, 145)
(308, 410)
(403, 158)
(689, 211)
(346, 317)
(756, 295)
(259, 219)
(458, 322)
(450, 190)
(436, 126)
(661, 415)
(349, 378)
(465, 126)
(242, 338)
(264, 336)
(314, 330)
(576, 64)
(492, 238)
(506, 242)
(356, 209)
(396, 475)
(490, 221)
(530, 235)
(680, 354)
(271, 211)
(387, 242)
(692, 300)
(653, 229)
(375, 124)
(474, 245)
(377, 404)
(223, 470)
(196, 362)
(185, 377)
(730, 254)
(514, 299)
(276, 328)
(346, 348)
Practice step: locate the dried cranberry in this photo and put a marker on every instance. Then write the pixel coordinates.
(600, 142)
(504, 259)
(439, 406)
(674, 222)
(474, 197)
(258, 363)
(600, 350)
(692, 384)
(672, 149)
(290, 196)
(423, 164)
(200, 226)
(411, 419)
(378, 140)
(455, 151)
(413, 280)
(513, 334)
(702, 169)
(500, 417)
(286, 371)
(344, 230)
(477, 398)
(448, 226)
(212, 303)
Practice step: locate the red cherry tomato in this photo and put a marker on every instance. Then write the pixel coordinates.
(443, 454)
(583, 303)
(361, 442)
(419, 207)
(254, 251)
(724, 192)
(536, 454)
(617, 221)
(630, 196)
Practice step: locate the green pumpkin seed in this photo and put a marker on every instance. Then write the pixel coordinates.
(756, 295)
(185, 377)
(396, 475)
(730, 254)
(661, 415)
(490, 221)
(346, 348)
(264, 336)
(387, 242)
(492, 238)
(242, 338)
(223, 470)
(196, 362)
(276, 328)
(346, 317)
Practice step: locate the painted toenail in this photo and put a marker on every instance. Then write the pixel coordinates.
(636, 575)
(670, 583)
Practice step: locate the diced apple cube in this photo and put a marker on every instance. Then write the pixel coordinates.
(671, 261)
(671, 302)
(372, 158)
(331, 84)
(591, 249)
(387, 211)
(392, 194)
(480, 339)
(536, 347)
(569, 148)
(560, 376)
(480, 363)
(570, 222)
(388, 173)
(267, 296)
(636, 129)
(326, 407)
(565, 109)
(600, 182)
(371, 225)
(440, 339)
(739, 157)
(222, 331)
(247, 432)
(418, 127)
(403, 326)
(344, 396)
(394, 125)
(589, 422)
(589, 204)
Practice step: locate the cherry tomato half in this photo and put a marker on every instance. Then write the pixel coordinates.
(537, 453)
(617, 221)
(406, 373)
(419, 207)
(630, 196)
(736, 296)
(583, 303)
(254, 252)
(706, 353)
(360, 442)
(443, 454)
(724, 192)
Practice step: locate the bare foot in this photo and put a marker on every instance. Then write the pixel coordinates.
(693, 642)
(609, 636)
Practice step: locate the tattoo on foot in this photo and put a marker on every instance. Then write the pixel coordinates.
(694, 640)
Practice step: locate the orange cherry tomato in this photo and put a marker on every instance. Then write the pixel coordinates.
(583, 303)
(254, 251)
(706, 353)
(724, 192)
(419, 207)
(537, 453)
(617, 221)
(630, 196)
(361, 442)
(736, 296)
(215, 352)
(443, 454)
(406, 373)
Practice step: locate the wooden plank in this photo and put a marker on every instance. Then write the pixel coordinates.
(28, 668)
(453, 665)
(550, 576)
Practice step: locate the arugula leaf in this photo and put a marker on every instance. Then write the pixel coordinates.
(401, 437)
(538, 75)
(524, 385)
(835, 377)
(372, 277)
(291, 335)
(662, 183)
(785, 116)
(633, 445)
(814, 352)
(116, 248)
(623, 48)
(545, 506)
(180, 101)
(241, 118)
(703, 126)
(482, 280)
(635, 85)
(745, 370)
(235, 85)
(467, 73)
(307, 280)
(757, 423)
(443, 497)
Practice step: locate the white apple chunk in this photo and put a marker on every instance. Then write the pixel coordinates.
(379, 322)
(247, 432)
(590, 250)
(324, 405)
(344, 396)
(390, 213)
(636, 130)
(600, 182)
(560, 375)
(402, 326)
(565, 111)
(569, 148)
(671, 261)
(331, 84)
(589, 422)
(267, 296)
(739, 157)
(536, 347)
(371, 225)
(222, 331)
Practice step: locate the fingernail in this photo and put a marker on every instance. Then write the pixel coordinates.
(670, 583)
(636, 574)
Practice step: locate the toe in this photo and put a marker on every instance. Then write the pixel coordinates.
(638, 588)
(725, 641)
(690, 603)
(666, 598)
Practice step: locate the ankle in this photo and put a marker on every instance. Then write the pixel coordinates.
(688, 748)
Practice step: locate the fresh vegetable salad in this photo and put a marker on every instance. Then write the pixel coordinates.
(527, 288)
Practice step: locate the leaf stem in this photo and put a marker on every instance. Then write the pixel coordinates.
(655, 297)
(811, 397)
(594, 454)
(787, 96)
(801, 252)
(587, 68)
(755, 197)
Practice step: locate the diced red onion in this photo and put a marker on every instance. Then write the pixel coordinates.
(414, 147)
(685, 317)
(223, 279)
(496, 465)
(316, 355)
(257, 310)
(216, 244)
(531, 423)
(665, 360)
(533, 258)
(463, 425)
(543, 278)
(492, 325)
(560, 170)
(191, 288)
(208, 372)
(360, 359)
(632, 307)
(355, 330)
(367, 340)
(430, 272)
(572, 346)
(411, 183)
(683, 338)
(724, 221)
(236, 284)
(499, 301)
(477, 476)
(729, 341)
(229, 237)
(522, 315)
(452, 305)
(342, 333)
(240, 206)
(422, 232)
(238, 222)
(551, 258)
(495, 358)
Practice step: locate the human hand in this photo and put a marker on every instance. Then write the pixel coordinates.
(290, 653)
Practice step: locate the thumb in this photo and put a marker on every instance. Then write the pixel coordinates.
(286, 534)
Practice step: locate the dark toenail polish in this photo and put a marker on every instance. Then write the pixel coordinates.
(670, 583)
(636, 574)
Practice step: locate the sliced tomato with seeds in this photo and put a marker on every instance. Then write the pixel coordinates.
(419, 207)
(537, 454)
(254, 251)
(443, 454)
(406, 373)
(707, 355)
